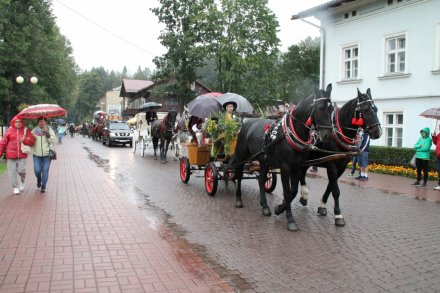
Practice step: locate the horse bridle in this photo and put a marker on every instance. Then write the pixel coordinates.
(338, 134)
(165, 123)
(373, 106)
(291, 135)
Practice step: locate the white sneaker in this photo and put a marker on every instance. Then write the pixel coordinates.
(16, 190)
(437, 187)
(22, 185)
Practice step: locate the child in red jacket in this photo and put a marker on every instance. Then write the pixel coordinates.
(16, 159)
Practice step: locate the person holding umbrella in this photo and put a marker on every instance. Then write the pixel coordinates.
(44, 139)
(16, 159)
(436, 141)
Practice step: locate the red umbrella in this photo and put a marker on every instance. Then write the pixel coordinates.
(45, 110)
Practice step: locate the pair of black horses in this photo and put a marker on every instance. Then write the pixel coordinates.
(313, 131)
(309, 132)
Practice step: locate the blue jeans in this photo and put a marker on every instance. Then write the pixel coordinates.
(41, 170)
(60, 137)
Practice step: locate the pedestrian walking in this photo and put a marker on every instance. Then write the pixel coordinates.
(423, 155)
(61, 130)
(11, 142)
(363, 157)
(436, 141)
(44, 140)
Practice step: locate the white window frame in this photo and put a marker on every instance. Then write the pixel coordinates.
(386, 53)
(394, 126)
(351, 60)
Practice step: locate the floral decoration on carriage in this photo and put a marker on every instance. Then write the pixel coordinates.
(223, 131)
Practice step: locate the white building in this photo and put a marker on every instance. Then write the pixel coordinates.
(390, 46)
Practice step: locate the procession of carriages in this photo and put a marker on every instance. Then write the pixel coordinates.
(219, 137)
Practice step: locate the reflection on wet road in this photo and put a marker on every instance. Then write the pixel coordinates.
(190, 255)
(389, 243)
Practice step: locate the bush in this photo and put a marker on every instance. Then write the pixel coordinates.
(393, 156)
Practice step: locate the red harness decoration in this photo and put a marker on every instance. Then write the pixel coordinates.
(346, 140)
(301, 146)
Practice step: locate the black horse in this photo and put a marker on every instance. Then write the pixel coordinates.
(283, 144)
(163, 130)
(357, 116)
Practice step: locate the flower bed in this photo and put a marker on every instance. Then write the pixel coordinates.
(397, 170)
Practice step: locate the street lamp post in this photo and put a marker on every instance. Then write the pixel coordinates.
(32, 80)
(28, 81)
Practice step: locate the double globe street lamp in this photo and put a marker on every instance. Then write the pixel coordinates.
(32, 80)
(27, 81)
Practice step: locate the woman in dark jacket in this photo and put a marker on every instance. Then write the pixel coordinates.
(16, 159)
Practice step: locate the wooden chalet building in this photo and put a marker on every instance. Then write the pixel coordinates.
(135, 93)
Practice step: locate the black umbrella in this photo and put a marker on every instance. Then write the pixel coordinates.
(243, 105)
(151, 106)
(204, 106)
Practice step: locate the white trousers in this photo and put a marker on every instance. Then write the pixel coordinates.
(16, 167)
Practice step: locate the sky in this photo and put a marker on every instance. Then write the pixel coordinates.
(118, 33)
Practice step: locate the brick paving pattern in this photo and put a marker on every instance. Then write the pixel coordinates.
(86, 234)
(82, 235)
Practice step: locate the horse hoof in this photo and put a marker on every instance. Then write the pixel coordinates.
(279, 209)
(239, 204)
(339, 222)
(303, 201)
(322, 211)
(266, 212)
(292, 227)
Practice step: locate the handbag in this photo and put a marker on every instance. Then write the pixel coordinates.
(25, 149)
(52, 154)
(412, 162)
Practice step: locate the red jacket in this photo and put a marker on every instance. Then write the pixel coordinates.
(11, 144)
(437, 145)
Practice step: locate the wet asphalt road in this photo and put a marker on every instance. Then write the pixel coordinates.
(390, 242)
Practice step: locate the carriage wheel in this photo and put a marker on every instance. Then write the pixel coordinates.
(134, 146)
(211, 179)
(185, 172)
(271, 182)
(142, 147)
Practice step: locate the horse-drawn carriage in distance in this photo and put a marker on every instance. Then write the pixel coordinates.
(142, 126)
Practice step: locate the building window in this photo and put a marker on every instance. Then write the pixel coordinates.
(350, 62)
(396, 55)
(393, 129)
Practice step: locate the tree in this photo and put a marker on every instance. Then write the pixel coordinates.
(299, 70)
(246, 49)
(91, 89)
(34, 45)
(185, 25)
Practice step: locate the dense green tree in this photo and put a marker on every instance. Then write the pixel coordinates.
(31, 44)
(91, 90)
(299, 70)
(186, 23)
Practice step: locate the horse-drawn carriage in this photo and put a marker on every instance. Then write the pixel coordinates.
(196, 159)
(141, 134)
